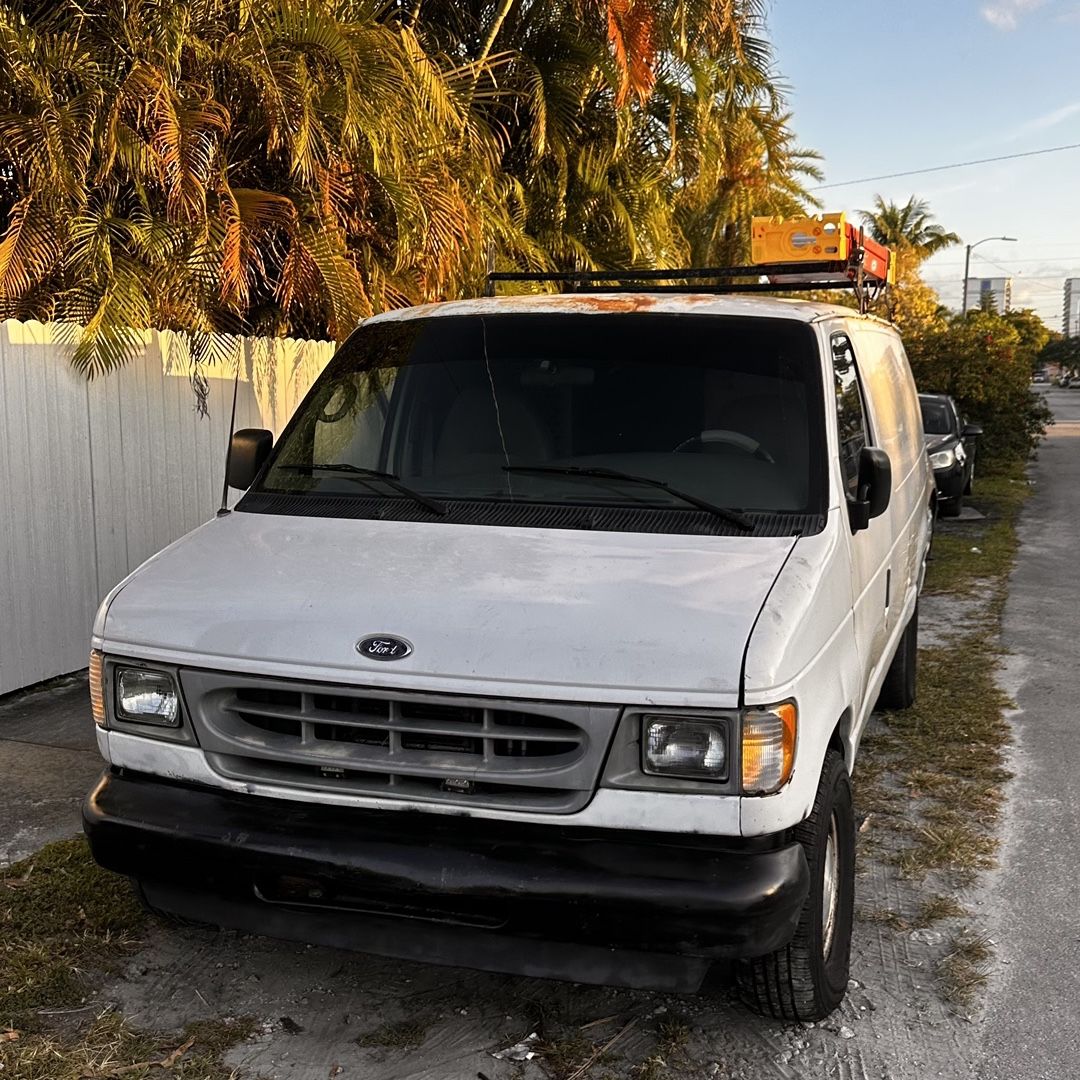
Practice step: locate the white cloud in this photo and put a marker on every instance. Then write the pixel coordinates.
(1006, 14)
(1052, 119)
(1039, 123)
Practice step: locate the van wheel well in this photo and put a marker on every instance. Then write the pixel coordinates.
(837, 741)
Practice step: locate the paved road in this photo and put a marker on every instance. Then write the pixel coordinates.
(1032, 1029)
(48, 762)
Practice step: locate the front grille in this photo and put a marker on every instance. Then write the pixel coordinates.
(482, 752)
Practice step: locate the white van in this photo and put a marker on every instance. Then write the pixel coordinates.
(542, 640)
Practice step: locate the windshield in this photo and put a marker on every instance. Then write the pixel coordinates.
(936, 417)
(691, 409)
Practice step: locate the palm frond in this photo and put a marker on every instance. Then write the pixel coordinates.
(30, 248)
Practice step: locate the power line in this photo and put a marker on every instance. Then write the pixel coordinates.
(1005, 269)
(942, 168)
(1017, 283)
(1018, 275)
(1020, 281)
(1073, 260)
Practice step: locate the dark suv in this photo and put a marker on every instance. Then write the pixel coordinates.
(950, 442)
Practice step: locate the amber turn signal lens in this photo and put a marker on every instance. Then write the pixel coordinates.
(97, 687)
(768, 748)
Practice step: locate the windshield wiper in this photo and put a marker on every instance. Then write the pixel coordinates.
(732, 516)
(363, 475)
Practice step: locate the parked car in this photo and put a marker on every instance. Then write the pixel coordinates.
(951, 444)
(1040, 377)
(543, 640)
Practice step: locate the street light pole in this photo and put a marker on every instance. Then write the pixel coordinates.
(967, 264)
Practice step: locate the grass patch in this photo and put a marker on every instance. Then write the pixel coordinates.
(948, 752)
(564, 1056)
(108, 1048)
(405, 1034)
(957, 568)
(60, 913)
(962, 849)
(932, 776)
(573, 1056)
(63, 922)
(936, 908)
(672, 1035)
(884, 917)
(652, 1068)
(966, 968)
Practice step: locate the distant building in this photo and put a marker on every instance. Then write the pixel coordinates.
(999, 288)
(1071, 321)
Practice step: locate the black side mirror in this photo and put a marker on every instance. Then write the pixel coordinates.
(874, 488)
(972, 431)
(248, 451)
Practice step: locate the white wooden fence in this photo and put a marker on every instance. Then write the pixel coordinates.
(97, 476)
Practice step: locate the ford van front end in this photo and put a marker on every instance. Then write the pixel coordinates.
(462, 676)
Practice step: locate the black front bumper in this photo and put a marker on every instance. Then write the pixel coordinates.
(608, 906)
(951, 481)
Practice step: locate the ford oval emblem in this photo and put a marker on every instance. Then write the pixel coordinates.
(383, 647)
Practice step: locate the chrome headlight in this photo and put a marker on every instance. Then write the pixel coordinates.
(147, 697)
(694, 749)
(943, 459)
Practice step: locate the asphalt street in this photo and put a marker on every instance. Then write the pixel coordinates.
(1032, 1027)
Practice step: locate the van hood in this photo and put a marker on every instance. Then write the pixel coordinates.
(542, 613)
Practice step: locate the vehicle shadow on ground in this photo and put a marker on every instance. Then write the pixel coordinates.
(321, 1013)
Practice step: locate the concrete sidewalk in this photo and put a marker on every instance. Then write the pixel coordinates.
(48, 762)
(1032, 1026)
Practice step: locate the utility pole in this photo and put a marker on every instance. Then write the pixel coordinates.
(967, 265)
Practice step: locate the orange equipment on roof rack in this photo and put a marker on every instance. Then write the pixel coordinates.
(828, 238)
(796, 255)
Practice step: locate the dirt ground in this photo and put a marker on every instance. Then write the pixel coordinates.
(325, 1014)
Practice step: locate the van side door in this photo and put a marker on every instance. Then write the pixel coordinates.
(894, 411)
(870, 547)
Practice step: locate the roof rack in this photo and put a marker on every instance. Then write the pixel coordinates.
(793, 255)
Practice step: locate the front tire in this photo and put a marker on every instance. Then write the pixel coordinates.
(807, 979)
(951, 507)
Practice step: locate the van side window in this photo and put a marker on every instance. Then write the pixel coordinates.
(850, 413)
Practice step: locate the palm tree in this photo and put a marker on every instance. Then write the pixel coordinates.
(290, 166)
(737, 157)
(278, 166)
(643, 133)
(908, 229)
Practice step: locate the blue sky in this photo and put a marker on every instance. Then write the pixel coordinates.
(930, 83)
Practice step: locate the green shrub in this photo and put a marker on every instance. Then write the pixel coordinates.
(984, 361)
